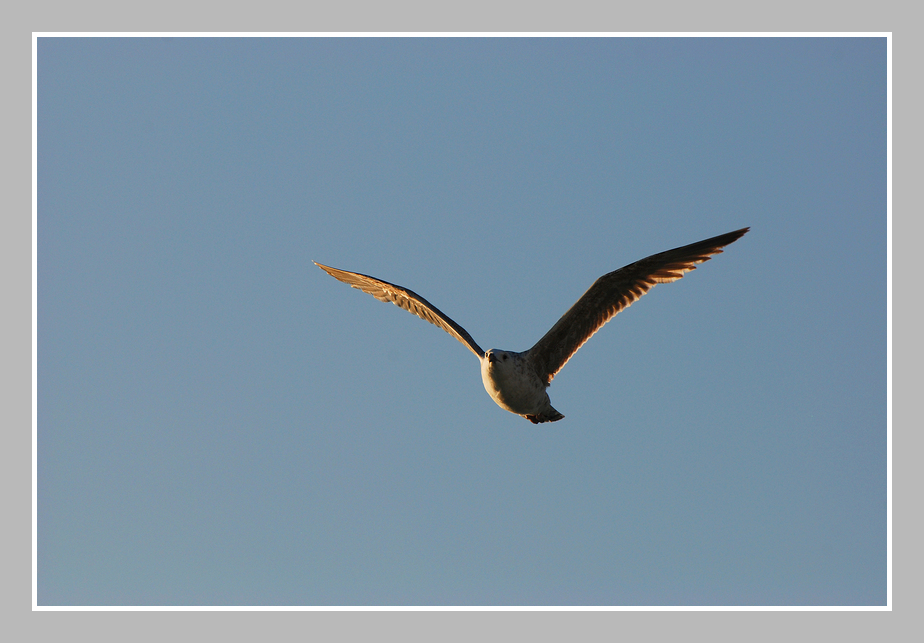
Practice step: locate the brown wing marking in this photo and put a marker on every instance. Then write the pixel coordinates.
(406, 299)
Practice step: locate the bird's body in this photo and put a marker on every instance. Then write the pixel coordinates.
(517, 382)
(512, 381)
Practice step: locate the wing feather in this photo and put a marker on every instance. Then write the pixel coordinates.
(613, 293)
(406, 299)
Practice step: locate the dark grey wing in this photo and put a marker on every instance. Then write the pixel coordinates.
(406, 299)
(614, 292)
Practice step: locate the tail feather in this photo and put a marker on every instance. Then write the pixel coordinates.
(549, 415)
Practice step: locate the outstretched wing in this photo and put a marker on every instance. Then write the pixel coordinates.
(406, 299)
(614, 292)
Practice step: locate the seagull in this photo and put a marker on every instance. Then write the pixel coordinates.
(517, 382)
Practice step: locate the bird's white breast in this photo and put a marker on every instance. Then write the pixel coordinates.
(512, 384)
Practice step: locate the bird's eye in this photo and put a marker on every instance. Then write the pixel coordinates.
(505, 358)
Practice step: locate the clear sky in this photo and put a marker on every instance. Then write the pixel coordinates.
(221, 423)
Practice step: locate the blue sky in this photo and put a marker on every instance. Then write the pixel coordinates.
(221, 423)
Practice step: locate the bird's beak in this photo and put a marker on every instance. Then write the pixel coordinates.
(491, 358)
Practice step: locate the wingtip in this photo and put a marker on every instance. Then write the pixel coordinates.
(324, 268)
(730, 237)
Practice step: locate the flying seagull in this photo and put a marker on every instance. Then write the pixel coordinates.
(517, 382)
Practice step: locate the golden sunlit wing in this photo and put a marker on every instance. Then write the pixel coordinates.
(406, 299)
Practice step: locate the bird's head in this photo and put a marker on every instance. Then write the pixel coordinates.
(498, 360)
(495, 355)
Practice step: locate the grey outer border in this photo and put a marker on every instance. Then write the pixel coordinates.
(406, 16)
